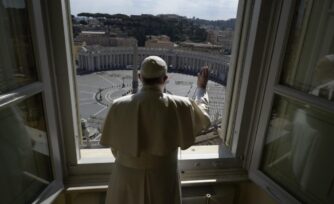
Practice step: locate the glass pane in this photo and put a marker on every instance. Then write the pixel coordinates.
(309, 61)
(109, 42)
(298, 151)
(17, 62)
(24, 152)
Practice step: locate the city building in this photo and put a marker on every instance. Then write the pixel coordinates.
(202, 47)
(223, 38)
(161, 41)
(104, 39)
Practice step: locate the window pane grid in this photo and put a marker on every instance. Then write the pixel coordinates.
(304, 97)
(299, 110)
(297, 148)
(20, 94)
(18, 65)
(309, 57)
(24, 150)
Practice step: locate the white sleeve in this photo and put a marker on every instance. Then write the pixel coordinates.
(202, 99)
(201, 108)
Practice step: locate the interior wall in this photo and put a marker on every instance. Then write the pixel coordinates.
(250, 193)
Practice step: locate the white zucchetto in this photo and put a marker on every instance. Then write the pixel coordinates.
(153, 67)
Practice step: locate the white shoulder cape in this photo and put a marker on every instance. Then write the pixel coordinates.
(152, 122)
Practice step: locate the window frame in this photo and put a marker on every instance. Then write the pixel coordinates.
(270, 186)
(43, 86)
(255, 69)
(272, 88)
(76, 174)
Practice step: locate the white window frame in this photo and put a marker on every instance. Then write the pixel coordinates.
(226, 169)
(272, 87)
(43, 86)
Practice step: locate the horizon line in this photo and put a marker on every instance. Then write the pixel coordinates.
(155, 15)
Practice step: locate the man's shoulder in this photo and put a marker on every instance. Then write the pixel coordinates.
(178, 99)
(132, 99)
(124, 99)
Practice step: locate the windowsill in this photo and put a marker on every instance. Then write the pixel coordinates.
(102, 188)
(199, 152)
(104, 155)
(198, 165)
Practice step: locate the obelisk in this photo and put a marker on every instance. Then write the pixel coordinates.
(135, 68)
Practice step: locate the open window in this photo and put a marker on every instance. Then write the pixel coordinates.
(84, 165)
(108, 50)
(292, 154)
(107, 47)
(29, 152)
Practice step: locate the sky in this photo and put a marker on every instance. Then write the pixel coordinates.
(204, 9)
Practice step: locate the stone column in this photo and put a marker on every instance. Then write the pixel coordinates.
(90, 63)
(174, 60)
(80, 62)
(198, 66)
(113, 60)
(117, 60)
(85, 62)
(98, 62)
(127, 59)
(109, 63)
(103, 62)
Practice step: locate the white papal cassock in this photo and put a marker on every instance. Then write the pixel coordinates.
(144, 131)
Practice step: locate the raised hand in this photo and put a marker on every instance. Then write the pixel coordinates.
(202, 77)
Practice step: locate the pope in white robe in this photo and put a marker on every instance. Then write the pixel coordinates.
(145, 130)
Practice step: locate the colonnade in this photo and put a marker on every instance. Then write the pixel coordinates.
(97, 58)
